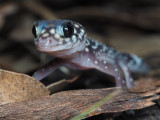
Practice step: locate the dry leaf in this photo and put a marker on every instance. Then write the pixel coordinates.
(16, 87)
(79, 104)
(144, 85)
(57, 86)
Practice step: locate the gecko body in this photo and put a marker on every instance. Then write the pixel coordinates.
(67, 40)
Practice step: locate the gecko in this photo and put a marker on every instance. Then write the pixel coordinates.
(67, 41)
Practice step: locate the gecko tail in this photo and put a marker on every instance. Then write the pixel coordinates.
(137, 64)
(134, 63)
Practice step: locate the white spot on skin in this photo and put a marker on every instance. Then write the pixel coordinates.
(106, 67)
(82, 31)
(87, 43)
(86, 49)
(137, 59)
(67, 40)
(80, 36)
(52, 31)
(95, 46)
(104, 48)
(75, 31)
(96, 62)
(74, 38)
(119, 78)
(43, 31)
(104, 62)
(116, 69)
(45, 35)
(61, 39)
(77, 26)
(88, 59)
(57, 36)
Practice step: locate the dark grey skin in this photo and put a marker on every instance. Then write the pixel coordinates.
(68, 42)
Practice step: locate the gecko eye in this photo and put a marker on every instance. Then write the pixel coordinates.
(34, 31)
(68, 29)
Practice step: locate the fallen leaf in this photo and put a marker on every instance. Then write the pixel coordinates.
(79, 104)
(15, 87)
(57, 86)
(144, 85)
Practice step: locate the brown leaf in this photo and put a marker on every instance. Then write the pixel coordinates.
(145, 85)
(57, 86)
(79, 104)
(16, 87)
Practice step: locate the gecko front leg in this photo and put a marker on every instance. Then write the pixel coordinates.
(53, 65)
(48, 69)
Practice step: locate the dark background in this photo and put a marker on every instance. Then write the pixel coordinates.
(131, 26)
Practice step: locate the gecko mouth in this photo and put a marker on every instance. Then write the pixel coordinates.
(51, 45)
(57, 49)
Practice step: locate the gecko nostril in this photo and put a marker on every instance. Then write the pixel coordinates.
(34, 31)
(50, 41)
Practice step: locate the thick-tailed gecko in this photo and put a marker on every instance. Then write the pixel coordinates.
(68, 42)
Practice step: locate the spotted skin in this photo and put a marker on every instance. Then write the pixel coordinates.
(68, 41)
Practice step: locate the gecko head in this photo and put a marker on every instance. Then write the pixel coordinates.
(59, 38)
